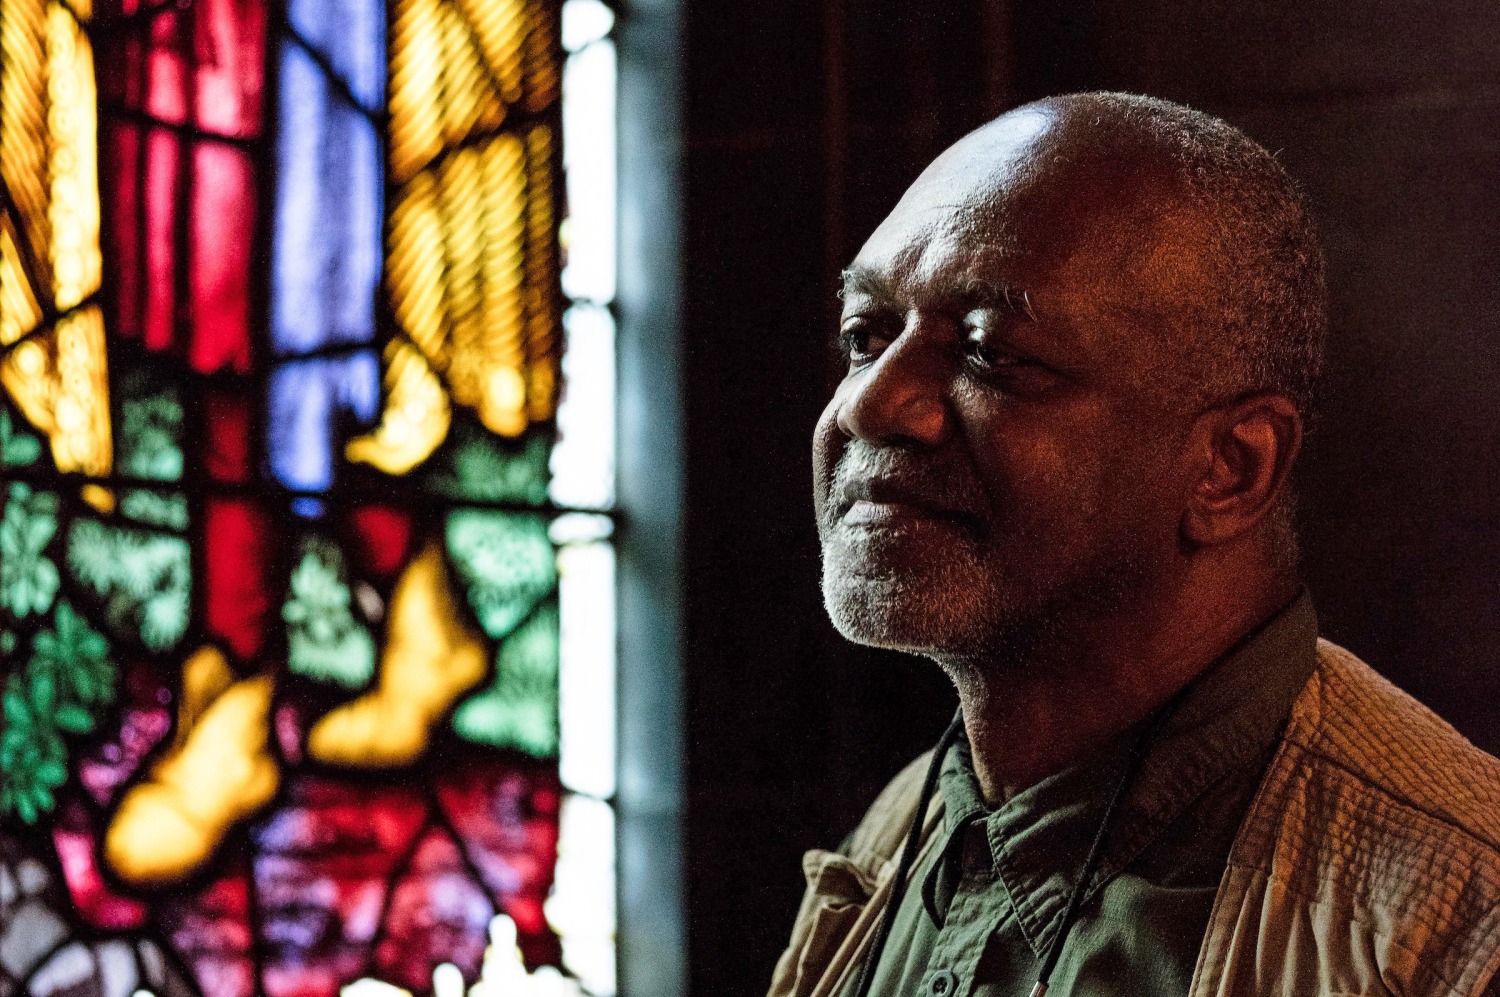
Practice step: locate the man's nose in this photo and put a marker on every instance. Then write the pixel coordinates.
(901, 398)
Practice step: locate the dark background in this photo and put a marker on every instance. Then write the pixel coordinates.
(805, 119)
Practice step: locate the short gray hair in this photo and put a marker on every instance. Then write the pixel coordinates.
(1271, 311)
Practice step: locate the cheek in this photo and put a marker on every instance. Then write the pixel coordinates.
(1059, 486)
(827, 444)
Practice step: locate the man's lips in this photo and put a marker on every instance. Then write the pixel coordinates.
(878, 503)
(863, 512)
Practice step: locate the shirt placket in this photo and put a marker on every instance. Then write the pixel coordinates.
(972, 917)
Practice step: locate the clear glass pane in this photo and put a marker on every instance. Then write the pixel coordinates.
(583, 462)
(585, 22)
(582, 906)
(589, 160)
(587, 680)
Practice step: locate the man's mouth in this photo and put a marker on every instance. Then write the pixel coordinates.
(882, 504)
(865, 512)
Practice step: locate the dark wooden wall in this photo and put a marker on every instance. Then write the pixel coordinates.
(804, 122)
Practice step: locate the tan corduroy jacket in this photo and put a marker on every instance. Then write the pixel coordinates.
(1368, 863)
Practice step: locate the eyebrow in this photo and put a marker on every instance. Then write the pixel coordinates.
(969, 294)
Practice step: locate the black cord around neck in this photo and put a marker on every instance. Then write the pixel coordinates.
(908, 853)
(1143, 745)
(1132, 769)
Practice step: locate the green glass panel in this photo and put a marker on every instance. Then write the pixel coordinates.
(478, 466)
(18, 448)
(28, 578)
(167, 509)
(519, 709)
(149, 439)
(506, 563)
(143, 579)
(324, 640)
(33, 758)
(76, 656)
(67, 684)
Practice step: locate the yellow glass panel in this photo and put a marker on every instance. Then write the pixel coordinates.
(415, 419)
(455, 268)
(19, 309)
(58, 381)
(443, 87)
(500, 28)
(485, 254)
(472, 102)
(73, 206)
(542, 347)
(23, 118)
(543, 71)
(471, 259)
(48, 158)
(99, 497)
(414, 268)
(205, 677)
(81, 440)
(30, 377)
(431, 658)
(218, 773)
(416, 126)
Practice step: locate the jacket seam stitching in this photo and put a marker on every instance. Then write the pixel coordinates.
(1366, 781)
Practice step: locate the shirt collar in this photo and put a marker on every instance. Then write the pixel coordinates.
(1232, 715)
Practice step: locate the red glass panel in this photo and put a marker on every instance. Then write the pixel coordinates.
(437, 914)
(237, 552)
(122, 223)
(166, 94)
(93, 900)
(208, 55)
(223, 231)
(322, 877)
(210, 931)
(226, 437)
(506, 816)
(230, 43)
(384, 534)
(160, 307)
(200, 65)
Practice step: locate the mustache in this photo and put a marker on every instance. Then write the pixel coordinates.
(939, 483)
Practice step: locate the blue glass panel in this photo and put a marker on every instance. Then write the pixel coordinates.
(326, 246)
(305, 400)
(350, 36)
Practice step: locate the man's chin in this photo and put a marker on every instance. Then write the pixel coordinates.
(917, 615)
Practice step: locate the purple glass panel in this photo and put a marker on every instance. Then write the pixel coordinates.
(329, 191)
(306, 398)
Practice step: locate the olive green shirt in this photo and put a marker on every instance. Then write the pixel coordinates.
(986, 901)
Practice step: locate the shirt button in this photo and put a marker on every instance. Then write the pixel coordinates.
(943, 983)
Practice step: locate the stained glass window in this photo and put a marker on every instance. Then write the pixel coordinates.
(306, 498)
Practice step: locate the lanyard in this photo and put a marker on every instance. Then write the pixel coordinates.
(1080, 886)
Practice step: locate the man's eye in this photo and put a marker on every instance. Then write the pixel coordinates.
(861, 343)
(983, 354)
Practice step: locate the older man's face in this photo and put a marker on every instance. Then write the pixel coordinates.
(1003, 449)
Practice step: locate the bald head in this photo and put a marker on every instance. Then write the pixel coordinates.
(1206, 238)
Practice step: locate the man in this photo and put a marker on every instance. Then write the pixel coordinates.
(1081, 355)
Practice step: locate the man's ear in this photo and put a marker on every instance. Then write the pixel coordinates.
(1249, 448)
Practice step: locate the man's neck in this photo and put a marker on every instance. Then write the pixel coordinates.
(1085, 685)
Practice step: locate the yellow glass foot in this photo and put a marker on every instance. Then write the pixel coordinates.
(217, 772)
(431, 658)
